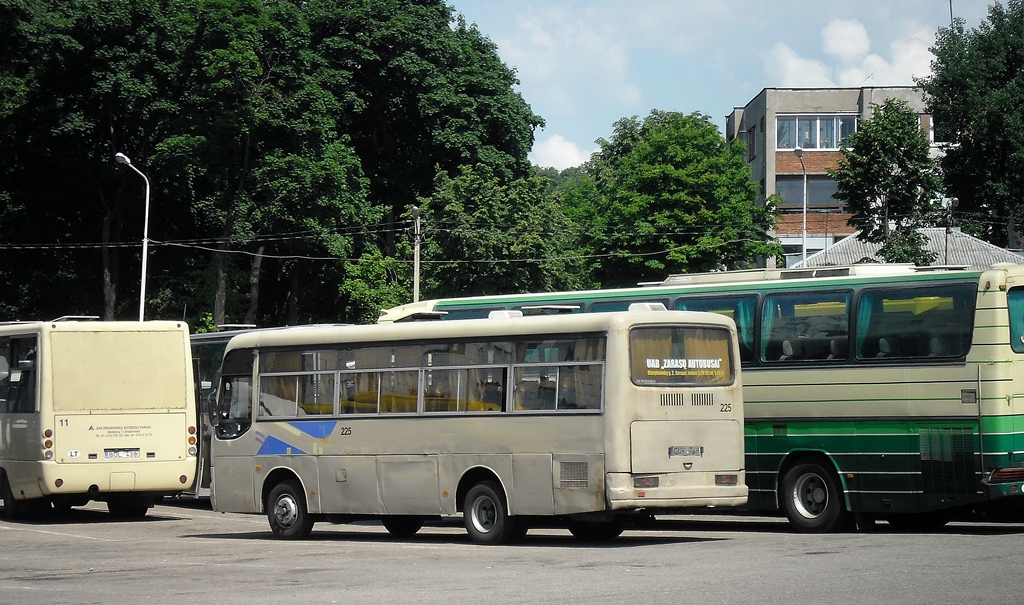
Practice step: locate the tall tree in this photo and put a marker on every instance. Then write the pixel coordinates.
(976, 96)
(486, 237)
(422, 90)
(259, 146)
(890, 182)
(79, 81)
(677, 198)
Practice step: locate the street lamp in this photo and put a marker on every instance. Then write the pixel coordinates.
(803, 232)
(121, 158)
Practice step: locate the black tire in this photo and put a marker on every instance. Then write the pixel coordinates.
(287, 511)
(812, 499)
(912, 522)
(402, 526)
(127, 507)
(589, 531)
(485, 514)
(13, 509)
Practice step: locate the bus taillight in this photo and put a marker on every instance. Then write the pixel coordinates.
(726, 479)
(183, 479)
(191, 430)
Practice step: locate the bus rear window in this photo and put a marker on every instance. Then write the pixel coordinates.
(678, 355)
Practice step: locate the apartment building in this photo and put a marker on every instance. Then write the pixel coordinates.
(793, 136)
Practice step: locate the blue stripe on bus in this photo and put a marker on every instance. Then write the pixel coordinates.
(318, 429)
(273, 445)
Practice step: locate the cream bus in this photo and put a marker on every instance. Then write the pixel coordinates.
(504, 420)
(94, 410)
(887, 392)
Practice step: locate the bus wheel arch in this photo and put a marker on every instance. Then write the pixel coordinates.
(812, 495)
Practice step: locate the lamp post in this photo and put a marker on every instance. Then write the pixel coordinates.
(416, 254)
(803, 232)
(121, 158)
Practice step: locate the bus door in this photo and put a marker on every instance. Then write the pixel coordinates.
(20, 434)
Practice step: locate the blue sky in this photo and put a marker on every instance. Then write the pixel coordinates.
(585, 64)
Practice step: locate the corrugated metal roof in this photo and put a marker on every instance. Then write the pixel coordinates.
(959, 249)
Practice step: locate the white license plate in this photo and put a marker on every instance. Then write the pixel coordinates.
(121, 453)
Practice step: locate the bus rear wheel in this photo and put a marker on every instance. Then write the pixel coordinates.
(129, 507)
(402, 526)
(592, 531)
(12, 508)
(811, 498)
(287, 512)
(486, 515)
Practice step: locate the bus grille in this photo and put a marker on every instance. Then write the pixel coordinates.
(679, 399)
(573, 475)
(703, 399)
(947, 461)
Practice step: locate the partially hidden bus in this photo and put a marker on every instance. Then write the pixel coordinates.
(95, 410)
(207, 354)
(872, 391)
(583, 420)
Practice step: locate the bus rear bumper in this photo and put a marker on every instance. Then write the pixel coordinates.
(158, 477)
(674, 490)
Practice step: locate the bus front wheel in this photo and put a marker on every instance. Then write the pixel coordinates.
(811, 498)
(486, 514)
(286, 510)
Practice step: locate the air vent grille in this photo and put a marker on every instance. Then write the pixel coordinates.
(573, 475)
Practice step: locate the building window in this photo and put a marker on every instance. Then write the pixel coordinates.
(819, 192)
(814, 132)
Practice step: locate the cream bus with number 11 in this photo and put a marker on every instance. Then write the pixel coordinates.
(93, 410)
(587, 419)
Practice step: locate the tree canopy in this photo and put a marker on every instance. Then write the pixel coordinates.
(676, 198)
(976, 96)
(280, 138)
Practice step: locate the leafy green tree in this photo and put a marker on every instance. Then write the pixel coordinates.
(486, 237)
(258, 145)
(421, 90)
(890, 182)
(976, 97)
(79, 81)
(677, 198)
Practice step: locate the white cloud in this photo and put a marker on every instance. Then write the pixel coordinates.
(847, 44)
(786, 68)
(541, 41)
(846, 40)
(559, 153)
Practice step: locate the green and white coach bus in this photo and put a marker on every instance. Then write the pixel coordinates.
(876, 391)
(95, 410)
(585, 420)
